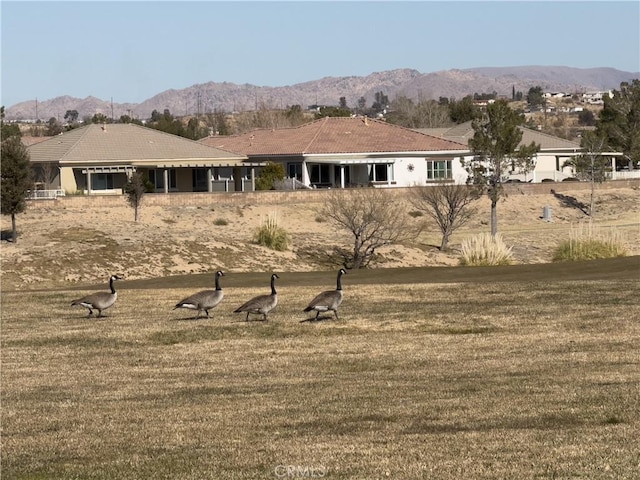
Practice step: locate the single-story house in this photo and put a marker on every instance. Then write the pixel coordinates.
(98, 159)
(351, 151)
(549, 161)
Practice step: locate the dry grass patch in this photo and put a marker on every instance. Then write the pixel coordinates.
(465, 380)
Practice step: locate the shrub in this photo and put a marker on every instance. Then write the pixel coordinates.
(221, 221)
(588, 243)
(271, 235)
(485, 250)
(268, 174)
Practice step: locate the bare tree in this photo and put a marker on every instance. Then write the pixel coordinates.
(448, 204)
(46, 173)
(372, 219)
(592, 166)
(134, 190)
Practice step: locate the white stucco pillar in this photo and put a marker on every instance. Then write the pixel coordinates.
(209, 180)
(253, 179)
(341, 176)
(305, 173)
(389, 172)
(88, 182)
(165, 177)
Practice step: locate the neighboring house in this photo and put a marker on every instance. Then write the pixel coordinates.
(549, 161)
(351, 151)
(98, 159)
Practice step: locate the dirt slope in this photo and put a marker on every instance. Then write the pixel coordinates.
(66, 247)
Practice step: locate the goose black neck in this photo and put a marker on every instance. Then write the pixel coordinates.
(113, 290)
(273, 285)
(218, 283)
(339, 281)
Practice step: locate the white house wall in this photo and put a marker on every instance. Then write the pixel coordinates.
(460, 175)
(410, 171)
(68, 180)
(413, 171)
(405, 171)
(548, 166)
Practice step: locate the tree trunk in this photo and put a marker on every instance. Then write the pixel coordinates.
(592, 206)
(14, 230)
(494, 217)
(445, 241)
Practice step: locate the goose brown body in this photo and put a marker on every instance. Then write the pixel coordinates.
(329, 300)
(100, 300)
(262, 304)
(204, 300)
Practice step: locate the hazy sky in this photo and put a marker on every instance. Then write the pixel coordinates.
(130, 51)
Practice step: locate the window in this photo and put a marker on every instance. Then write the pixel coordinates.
(320, 174)
(102, 181)
(379, 172)
(157, 178)
(199, 179)
(294, 170)
(439, 170)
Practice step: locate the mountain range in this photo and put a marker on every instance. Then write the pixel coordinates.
(229, 97)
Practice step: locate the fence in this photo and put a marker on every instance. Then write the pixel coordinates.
(45, 194)
(625, 175)
(275, 197)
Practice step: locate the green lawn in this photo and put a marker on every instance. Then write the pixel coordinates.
(525, 372)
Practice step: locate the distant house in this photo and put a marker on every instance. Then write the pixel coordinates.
(98, 159)
(339, 152)
(549, 161)
(596, 98)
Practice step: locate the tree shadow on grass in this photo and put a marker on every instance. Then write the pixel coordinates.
(571, 202)
(7, 235)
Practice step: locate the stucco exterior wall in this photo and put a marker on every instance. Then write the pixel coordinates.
(68, 180)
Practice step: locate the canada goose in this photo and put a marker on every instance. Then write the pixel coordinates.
(262, 304)
(204, 300)
(100, 300)
(329, 300)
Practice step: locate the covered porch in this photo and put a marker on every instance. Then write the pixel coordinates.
(166, 177)
(343, 173)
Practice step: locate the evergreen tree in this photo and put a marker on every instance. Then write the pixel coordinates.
(17, 179)
(619, 121)
(464, 110)
(535, 97)
(268, 175)
(496, 145)
(8, 130)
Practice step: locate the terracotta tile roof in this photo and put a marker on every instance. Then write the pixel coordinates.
(117, 142)
(333, 135)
